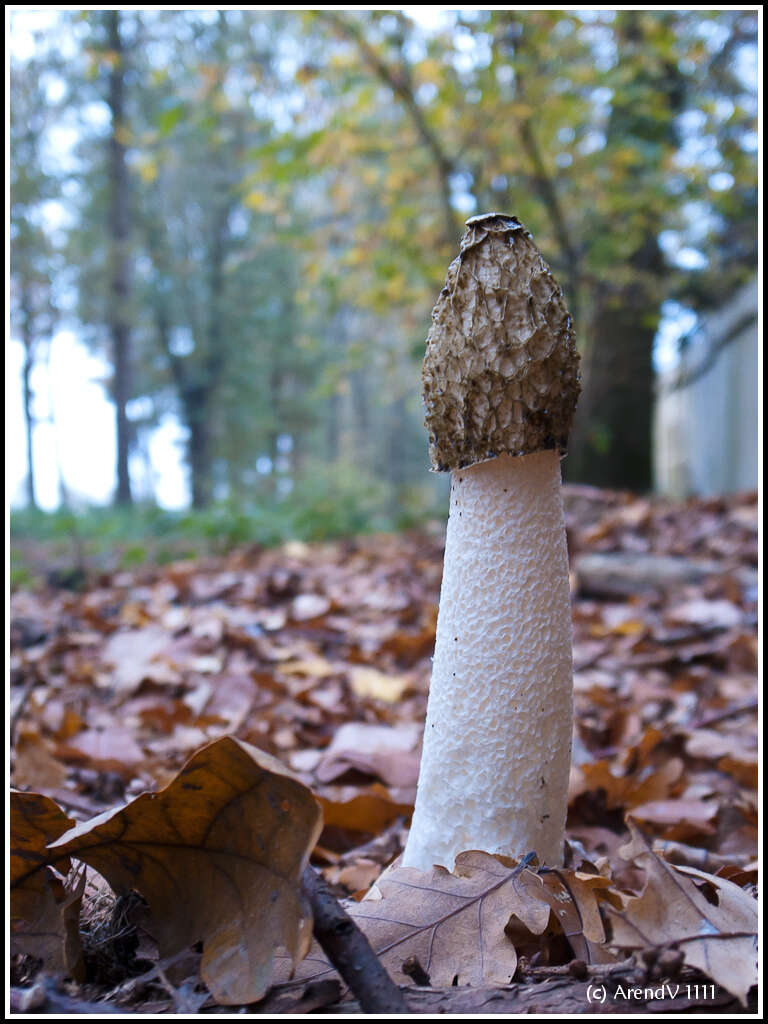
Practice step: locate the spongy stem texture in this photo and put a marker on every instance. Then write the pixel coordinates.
(497, 742)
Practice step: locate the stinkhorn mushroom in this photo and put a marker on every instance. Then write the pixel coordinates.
(501, 381)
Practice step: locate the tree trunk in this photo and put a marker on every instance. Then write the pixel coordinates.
(396, 454)
(275, 392)
(612, 445)
(28, 428)
(612, 436)
(199, 398)
(332, 428)
(29, 423)
(361, 403)
(199, 455)
(119, 229)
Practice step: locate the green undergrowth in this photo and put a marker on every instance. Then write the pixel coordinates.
(66, 547)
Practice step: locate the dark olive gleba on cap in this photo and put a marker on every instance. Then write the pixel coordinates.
(501, 371)
(501, 381)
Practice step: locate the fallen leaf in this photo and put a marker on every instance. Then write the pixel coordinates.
(712, 745)
(155, 712)
(387, 752)
(185, 738)
(309, 606)
(133, 655)
(743, 766)
(730, 750)
(317, 668)
(394, 770)
(708, 614)
(205, 664)
(44, 912)
(677, 812)
(719, 939)
(681, 854)
(369, 682)
(357, 877)
(370, 811)
(453, 923)
(365, 738)
(232, 698)
(304, 760)
(409, 648)
(218, 855)
(331, 698)
(738, 875)
(34, 764)
(112, 749)
(640, 785)
(35, 822)
(572, 896)
(665, 691)
(59, 719)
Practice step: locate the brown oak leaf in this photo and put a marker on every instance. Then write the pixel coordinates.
(719, 938)
(218, 855)
(44, 910)
(452, 923)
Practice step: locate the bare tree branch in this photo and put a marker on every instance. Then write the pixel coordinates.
(349, 950)
(399, 83)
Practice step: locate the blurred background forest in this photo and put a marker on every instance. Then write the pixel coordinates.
(228, 229)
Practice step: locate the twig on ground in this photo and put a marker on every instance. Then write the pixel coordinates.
(412, 967)
(591, 970)
(349, 950)
(722, 716)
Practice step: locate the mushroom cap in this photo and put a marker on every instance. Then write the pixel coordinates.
(501, 370)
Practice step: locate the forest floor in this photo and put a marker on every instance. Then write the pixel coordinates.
(320, 655)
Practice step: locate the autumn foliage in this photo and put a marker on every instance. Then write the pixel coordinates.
(196, 733)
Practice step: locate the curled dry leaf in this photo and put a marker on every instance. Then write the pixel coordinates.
(400, 770)
(383, 751)
(218, 855)
(718, 938)
(574, 898)
(44, 912)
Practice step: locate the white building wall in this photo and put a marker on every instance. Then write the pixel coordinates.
(706, 415)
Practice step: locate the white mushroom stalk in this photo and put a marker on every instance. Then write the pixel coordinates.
(501, 381)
